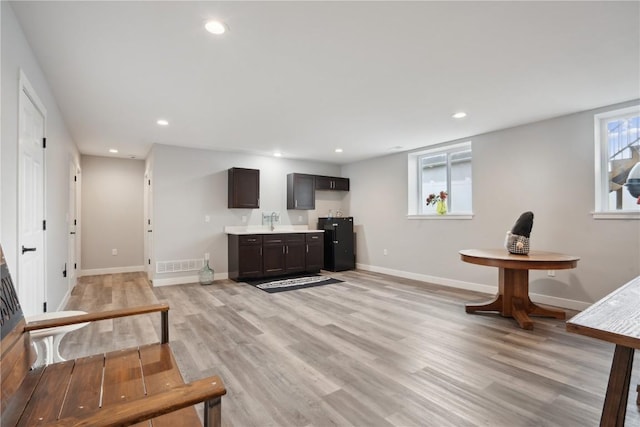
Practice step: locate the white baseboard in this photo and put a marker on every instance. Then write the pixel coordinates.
(183, 280)
(478, 287)
(111, 270)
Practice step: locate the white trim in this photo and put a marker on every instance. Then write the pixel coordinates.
(616, 215)
(111, 270)
(65, 300)
(443, 217)
(184, 280)
(470, 286)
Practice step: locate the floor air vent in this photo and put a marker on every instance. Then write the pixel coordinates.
(179, 265)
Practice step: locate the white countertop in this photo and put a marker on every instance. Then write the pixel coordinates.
(265, 229)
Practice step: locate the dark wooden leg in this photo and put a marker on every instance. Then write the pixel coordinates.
(520, 314)
(537, 310)
(615, 401)
(213, 413)
(493, 305)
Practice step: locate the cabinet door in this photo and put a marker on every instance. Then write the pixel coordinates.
(341, 184)
(295, 253)
(250, 261)
(301, 192)
(324, 183)
(314, 252)
(244, 188)
(273, 254)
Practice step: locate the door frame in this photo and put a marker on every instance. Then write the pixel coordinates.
(73, 227)
(27, 89)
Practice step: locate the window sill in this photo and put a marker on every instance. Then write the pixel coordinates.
(616, 215)
(464, 216)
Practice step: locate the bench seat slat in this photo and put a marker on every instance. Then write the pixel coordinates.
(84, 389)
(161, 373)
(46, 401)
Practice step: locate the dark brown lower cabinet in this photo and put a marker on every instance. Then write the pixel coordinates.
(314, 248)
(263, 255)
(245, 256)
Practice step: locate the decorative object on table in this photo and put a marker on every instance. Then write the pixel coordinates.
(517, 240)
(205, 275)
(440, 200)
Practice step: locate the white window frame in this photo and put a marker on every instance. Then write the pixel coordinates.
(601, 168)
(414, 184)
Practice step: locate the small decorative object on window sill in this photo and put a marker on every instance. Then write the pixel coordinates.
(205, 275)
(440, 200)
(517, 240)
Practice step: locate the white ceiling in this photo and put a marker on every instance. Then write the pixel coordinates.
(307, 77)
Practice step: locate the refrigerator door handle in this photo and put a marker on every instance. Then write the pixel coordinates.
(335, 242)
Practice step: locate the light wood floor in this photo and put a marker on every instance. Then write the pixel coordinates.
(375, 350)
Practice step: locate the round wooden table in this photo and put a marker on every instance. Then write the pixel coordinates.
(512, 299)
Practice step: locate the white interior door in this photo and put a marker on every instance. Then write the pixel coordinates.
(31, 225)
(72, 226)
(148, 225)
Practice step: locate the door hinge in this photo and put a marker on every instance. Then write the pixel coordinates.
(75, 222)
(44, 224)
(149, 182)
(75, 265)
(44, 142)
(64, 272)
(149, 221)
(149, 261)
(44, 306)
(75, 178)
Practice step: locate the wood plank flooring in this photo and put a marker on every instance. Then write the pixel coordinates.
(375, 350)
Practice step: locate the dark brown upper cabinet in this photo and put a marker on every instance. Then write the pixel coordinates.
(301, 191)
(332, 183)
(244, 188)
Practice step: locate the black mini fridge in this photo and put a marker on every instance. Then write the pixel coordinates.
(339, 251)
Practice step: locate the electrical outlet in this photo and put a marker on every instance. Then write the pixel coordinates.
(206, 256)
(244, 218)
(551, 273)
(385, 252)
(114, 252)
(300, 218)
(207, 218)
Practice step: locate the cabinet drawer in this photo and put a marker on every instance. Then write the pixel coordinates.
(314, 237)
(293, 238)
(250, 240)
(273, 239)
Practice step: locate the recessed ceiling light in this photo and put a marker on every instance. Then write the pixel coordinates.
(277, 154)
(162, 122)
(215, 27)
(459, 115)
(338, 150)
(113, 150)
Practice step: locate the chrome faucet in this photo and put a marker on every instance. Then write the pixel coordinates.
(274, 217)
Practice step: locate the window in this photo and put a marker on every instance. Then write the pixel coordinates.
(617, 139)
(444, 169)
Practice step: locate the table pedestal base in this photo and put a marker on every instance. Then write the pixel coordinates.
(513, 299)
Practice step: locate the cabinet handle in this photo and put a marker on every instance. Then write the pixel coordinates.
(296, 203)
(251, 240)
(260, 250)
(283, 249)
(287, 249)
(307, 248)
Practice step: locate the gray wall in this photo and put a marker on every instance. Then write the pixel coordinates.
(188, 184)
(546, 167)
(61, 151)
(112, 212)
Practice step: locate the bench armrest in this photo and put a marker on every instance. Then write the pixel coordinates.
(163, 308)
(92, 317)
(145, 408)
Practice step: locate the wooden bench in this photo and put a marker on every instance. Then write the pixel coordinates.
(119, 388)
